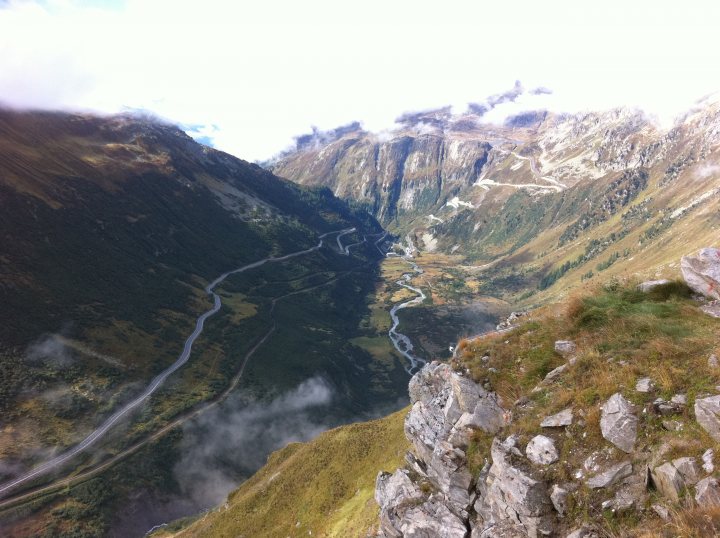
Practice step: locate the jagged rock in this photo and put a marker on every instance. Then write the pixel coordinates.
(424, 427)
(713, 361)
(392, 493)
(661, 511)
(644, 384)
(559, 497)
(447, 405)
(563, 418)
(449, 472)
(429, 382)
(565, 347)
(712, 309)
(552, 375)
(652, 284)
(488, 415)
(541, 450)
(707, 458)
(707, 411)
(509, 495)
(672, 425)
(707, 492)
(688, 469)
(702, 272)
(668, 481)
(415, 464)
(511, 321)
(667, 408)
(630, 496)
(466, 392)
(432, 519)
(679, 399)
(610, 476)
(618, 423)
(461, 433)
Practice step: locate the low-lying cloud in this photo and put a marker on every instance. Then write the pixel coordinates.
(232, 441)
(49, 350)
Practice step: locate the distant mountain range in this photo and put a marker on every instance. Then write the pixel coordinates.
(542, 197)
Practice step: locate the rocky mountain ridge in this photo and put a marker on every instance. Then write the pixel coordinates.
(541, 194)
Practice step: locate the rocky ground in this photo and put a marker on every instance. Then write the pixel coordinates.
(575, 456)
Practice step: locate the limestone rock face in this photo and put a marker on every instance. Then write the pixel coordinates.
(443, 400)
(688, 469)
(392, 492)
(446, 409)
(707, 414)
(430, 520)
(448, 470)
(508, 495)
(702, 272)
(618, 422)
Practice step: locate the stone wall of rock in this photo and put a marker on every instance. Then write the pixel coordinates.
(515, 495)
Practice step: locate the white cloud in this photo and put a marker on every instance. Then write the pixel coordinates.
(263, 72)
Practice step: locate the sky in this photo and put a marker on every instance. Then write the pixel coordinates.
(249, 76)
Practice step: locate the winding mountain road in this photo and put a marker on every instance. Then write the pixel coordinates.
(101, 430)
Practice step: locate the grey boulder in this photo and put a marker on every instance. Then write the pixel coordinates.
(618, 422)
(563, 418)
(610, 476)
(702, 272)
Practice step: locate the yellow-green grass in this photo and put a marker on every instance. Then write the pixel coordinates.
(325, 486)
(622, 335)
(378, 346)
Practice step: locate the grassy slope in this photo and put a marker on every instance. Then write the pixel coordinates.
(325, 486)
(112, 227)
(622, 335)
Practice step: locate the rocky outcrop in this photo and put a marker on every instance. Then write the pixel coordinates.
(509, 497)
(702, 272)
(437, 495)
(517, 493)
